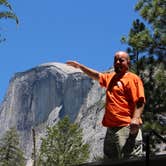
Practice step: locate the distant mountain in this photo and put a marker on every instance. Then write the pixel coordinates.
(42, 95)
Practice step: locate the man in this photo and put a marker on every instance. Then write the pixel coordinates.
(125, 101)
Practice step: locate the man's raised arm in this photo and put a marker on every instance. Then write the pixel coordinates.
(90, 72)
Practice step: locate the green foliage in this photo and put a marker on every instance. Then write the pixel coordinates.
(147, 50)
(159, 89)
(149, 125)
(154, 12)
(7, 14)
(63, 145)
(150, 40)
(10, 153)
(139, 39)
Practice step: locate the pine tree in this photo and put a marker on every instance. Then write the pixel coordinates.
(7, 13)
(139, 39)
(10, 152)
(154, 12)
(63, 145)
(147, 47)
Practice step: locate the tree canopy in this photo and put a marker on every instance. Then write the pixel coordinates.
(10, 152)
(7, 13)
(63, 145)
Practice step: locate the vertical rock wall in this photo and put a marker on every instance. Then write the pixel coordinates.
(43, 95)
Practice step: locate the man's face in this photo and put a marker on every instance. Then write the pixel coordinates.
(121, 62)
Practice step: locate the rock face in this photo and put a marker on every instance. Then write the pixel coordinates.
(43, 95)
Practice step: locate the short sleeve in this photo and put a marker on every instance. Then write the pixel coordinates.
(104, 79)
(137, 90)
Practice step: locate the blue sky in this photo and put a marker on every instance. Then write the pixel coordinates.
(88, 31)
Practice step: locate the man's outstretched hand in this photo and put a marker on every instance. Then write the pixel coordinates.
(73, 64)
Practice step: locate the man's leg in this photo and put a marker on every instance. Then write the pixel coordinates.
(133, 147)
(111, 145)
(119, 144)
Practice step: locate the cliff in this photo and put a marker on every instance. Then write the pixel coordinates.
(42, 95)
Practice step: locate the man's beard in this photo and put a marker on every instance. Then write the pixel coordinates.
(118, 69)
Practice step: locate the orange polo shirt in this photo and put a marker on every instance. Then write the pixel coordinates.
(121, 97)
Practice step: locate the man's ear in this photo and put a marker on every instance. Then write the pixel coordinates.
(128, 62)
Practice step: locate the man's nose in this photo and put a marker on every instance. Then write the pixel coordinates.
(117, 62)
